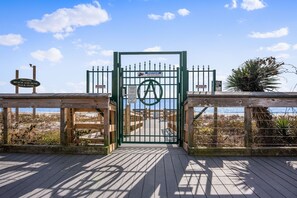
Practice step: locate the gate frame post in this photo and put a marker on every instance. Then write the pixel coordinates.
(184, 86)
(115, 93)
(182, 89)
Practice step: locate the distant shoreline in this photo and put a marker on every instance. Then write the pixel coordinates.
(221, 110)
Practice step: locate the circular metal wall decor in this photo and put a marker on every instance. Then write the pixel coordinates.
(150, 86)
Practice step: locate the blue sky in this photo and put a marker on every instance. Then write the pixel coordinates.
(64, 38)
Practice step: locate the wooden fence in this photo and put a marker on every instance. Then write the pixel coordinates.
(132, 120)
(101, 129)
(171, 121)
(253, 130)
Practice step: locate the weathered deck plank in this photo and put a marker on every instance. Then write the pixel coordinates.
(155, 171)
(282, 179)
(160, 181)
(284, 167)
(38, 164)
(256, 177)
(136, 187)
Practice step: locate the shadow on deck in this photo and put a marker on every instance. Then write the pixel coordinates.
(151, 171)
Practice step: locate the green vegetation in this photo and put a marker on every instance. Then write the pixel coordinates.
(230, 131)
(44, 129)
(286, 127)
(258, 75)
(50, 138)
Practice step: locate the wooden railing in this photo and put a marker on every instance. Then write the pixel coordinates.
(254, 128)
(101, 128)
(171, 122)
(132, 120)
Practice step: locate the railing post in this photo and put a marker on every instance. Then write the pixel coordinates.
(215, 128)
(70, 124)
(190, 126)
(248, 139)
(113, 123)
(214, 82)
(34, 90)
(17, 91)
(63, 133)
(106, 127)
(128, 119)
(88, 82)
(5, 125)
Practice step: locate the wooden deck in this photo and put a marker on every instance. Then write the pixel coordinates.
(152, 131)
(151, 171)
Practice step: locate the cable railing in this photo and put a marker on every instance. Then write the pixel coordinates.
(242, 120)
(67, 120)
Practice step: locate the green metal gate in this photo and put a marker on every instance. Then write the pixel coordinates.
(150, 96)
(149, 99)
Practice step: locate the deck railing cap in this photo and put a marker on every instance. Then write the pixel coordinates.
(243, 94)
(53, 95)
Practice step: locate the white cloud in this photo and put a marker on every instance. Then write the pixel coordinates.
(295, 47)
(232, 5)
(65, 20)
(154, 16)
(153, 49)
(279, 47)
(283, 56)
(77, 87)
(251, 5)
(60, 36)
(52, 55)
(90, 49)
(168, 16)
(183, 12)
(11, 39)
(100, 62)
(107, 52)
(274, 34)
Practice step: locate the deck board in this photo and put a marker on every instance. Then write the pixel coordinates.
(259, 178)
(149, 179)
(137, 185)
(146, 171)
(284, 167)
(275, 174)
(160, 180)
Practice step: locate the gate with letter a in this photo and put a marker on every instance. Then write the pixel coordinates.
(149, 97)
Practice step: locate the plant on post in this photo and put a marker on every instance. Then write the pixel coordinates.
(258, 75)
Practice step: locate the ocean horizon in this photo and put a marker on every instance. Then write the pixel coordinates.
(209, 110)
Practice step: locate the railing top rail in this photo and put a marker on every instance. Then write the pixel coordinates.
(55, 96)
(52, 100)
(242, 99)
(242, 94)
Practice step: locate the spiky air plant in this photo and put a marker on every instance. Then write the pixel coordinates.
(258, 75)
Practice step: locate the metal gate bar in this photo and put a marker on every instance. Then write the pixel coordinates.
(175, 92)
(168, 80)
(98, 80)
(202, 79)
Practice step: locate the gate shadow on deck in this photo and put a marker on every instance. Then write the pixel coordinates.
(135, 171)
